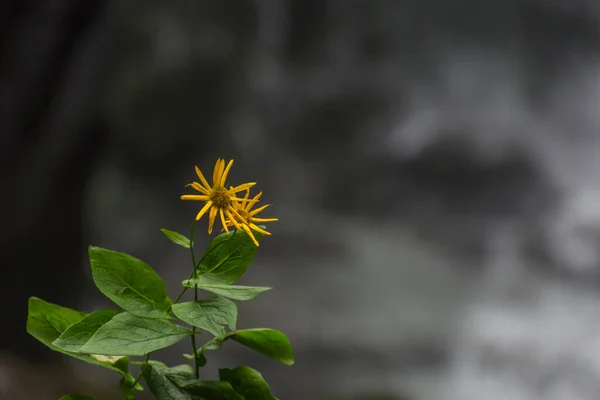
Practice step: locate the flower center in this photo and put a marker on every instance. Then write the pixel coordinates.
(244, 215)
(220, 197)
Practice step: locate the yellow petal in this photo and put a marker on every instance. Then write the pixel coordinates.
(233, 220)
(224, 177)
(202, 178)
(241, 187)
(238, 216)
(265, 219)
(223, 220)
(254, 201)
(204, 209)
(251, 235)
(198, 187)
(211, 219)
(218, 172)
(194, 197)
(258, 229)
(257, 210)
(245, 199)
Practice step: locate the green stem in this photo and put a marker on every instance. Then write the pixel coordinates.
(139, 376)
(194, 274)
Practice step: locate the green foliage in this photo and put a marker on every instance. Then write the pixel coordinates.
(209, 314)
(79, 333)
(235, 292)
(269, 342)
(228, 256)
(160, 385)
(247, 382)
(47, 321)
(131, 283)
(128, 334)
(177, 238)
(146, 322)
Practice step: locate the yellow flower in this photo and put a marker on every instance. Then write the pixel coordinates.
(245, 217)
(218, 199)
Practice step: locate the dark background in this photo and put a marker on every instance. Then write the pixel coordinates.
(434, 166)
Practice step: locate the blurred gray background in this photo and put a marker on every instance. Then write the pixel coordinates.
(435, 167)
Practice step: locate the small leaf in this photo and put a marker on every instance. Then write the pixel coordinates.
(177, 238)
(130, 283)
(128, 334)
(78, 334)
(247, 382)
(76, 397)
(127, 389)
(209, 314)
(234, 292)
(160, 385)
(269, 342)
(228, 256)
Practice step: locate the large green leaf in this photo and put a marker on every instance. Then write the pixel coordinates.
(177, 238)
(235, 292)
(130, 283)
(183, 377)
(74, 396)
(247, 382)
(269, 342)
(228, 256)
(209, 314)
(154, 374)
(128, 334)
(79, 333)
(213, 390)
(47, 321)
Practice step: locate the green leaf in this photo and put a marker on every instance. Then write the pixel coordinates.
(128, 334)
(79, 333)
(228, 256)
(130, 283)
(177, 238)
(47, 321)
(209, 314)
(76, 397)
(269, 342)
(127, 389)
(213, 390)
(235, 292)
(247, 382)
(163, 388)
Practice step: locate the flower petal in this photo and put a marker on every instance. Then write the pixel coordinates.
(194, 197)
(202, 178)
(257, 210)
(198, 187)
(233, 220)
(218, 172)
(204, 209)
(254, 201)
(211, 219)
(265, 219)
(223, 220)
(241, 187)
(238, 216)
(258, 229)
(224, 177)
(251, 235)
